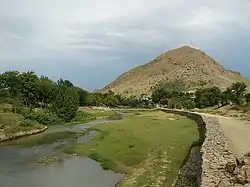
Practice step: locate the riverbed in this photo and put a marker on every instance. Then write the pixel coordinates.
(19, 166)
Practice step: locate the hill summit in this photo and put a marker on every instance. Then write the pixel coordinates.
(190, 65)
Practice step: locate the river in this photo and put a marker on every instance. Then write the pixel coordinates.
(19, 168)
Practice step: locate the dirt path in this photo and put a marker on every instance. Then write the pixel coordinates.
(238, 132)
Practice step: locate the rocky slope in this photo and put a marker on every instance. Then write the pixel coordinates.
(190, 65)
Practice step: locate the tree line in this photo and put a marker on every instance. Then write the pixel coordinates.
(61, 99)
(203, 97)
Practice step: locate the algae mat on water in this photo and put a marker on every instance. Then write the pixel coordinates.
(150, 148)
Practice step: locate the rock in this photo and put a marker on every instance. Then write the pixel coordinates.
(246, 169)
(230, 167)
(238, 185)
(236, 171)
(222, 183)
(241, 161)
(240, 179)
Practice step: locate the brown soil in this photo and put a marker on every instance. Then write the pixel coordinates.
(190, 65)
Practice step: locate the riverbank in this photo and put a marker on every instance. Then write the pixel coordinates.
(5, 137)
(39, 159)
(11, 126)
(149, 147)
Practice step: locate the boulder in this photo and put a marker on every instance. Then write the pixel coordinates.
(222, 183)
(241, 160)
(246, 169)
(241, 178)
(230, 167)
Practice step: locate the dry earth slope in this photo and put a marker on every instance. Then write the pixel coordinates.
(191, 65)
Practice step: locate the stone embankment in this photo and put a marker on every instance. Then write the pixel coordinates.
(5, 137)
(211, 161)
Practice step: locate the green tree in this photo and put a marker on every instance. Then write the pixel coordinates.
(28, 87)
(226, 97)
(66, 102)
(238, 89)
(85, 98)
(215, 96)
(65, 82)
(44, 90)
(207, 97)
(159, 94)
(10, 81)
(111, 101)
(247, 96)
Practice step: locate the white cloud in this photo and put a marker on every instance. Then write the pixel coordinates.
(91, 32)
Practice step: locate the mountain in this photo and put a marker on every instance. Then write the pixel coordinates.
(190, 65)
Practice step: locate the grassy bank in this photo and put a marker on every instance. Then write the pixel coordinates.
(97, 113)
(149, 147)
(42, 139)
(11, 123)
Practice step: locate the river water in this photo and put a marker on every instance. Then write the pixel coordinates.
(19, 168)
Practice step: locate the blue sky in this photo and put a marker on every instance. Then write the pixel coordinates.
(91, 42)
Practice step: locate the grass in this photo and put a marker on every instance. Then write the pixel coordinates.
(11, 123)
(42, 139)
(9, 118)
(82, 117)
(115, 116)
(149, 147)
(47, 160)
(98, 113)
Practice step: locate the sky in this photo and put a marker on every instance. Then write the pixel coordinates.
(91, 42)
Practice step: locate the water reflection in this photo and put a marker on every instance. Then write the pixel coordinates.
(18, 165)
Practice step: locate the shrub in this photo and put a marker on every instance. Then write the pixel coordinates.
(46, 118)
(171, 104)
(188, 104)
(40, 115)
(82, 116)
(24, 111)
(28, 123)
(178, 105)
(5, 108)
(247, 96)
(65, 103)
(115, 116)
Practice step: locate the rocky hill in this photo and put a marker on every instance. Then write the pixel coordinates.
(191, 66)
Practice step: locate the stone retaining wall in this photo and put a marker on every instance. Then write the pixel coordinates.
(215, 151)
(4, 137)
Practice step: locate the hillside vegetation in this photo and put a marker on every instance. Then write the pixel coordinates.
(191, 66)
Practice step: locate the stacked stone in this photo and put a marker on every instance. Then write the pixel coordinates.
(219, 166)
(190, 172)
(216, 153)
(240, 172)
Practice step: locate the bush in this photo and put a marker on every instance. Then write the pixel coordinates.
(46, 118)
(28, 123)
(247, 96)
(5, 108)
(66, 102)
(178, 105)
(82, 116)
(24, 111)
(171, 104)
(188, 104)
(40, 115)
(115, 116)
